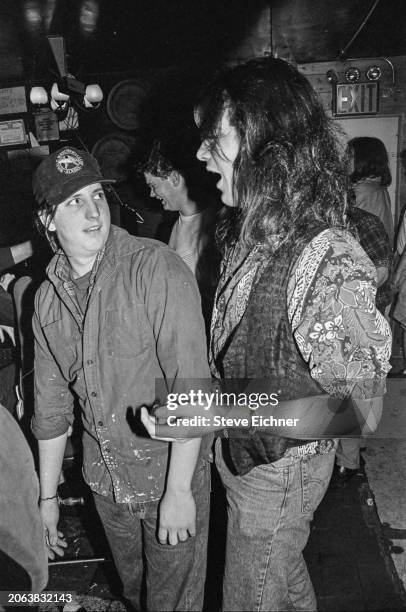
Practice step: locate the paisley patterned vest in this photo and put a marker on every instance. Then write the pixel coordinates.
(263, 347)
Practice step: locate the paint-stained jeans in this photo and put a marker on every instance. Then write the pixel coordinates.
(174, 575)
(269, 514)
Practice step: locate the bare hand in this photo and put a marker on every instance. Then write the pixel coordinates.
(177, 517)
(163, 432)
(180, 428)
(6, 279)
(49, 511)
(7, 330)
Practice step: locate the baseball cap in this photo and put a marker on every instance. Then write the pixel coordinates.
(63, 173)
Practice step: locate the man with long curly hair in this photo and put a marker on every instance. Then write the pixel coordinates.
(294, 309)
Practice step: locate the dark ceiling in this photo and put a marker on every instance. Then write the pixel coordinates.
(124, 35)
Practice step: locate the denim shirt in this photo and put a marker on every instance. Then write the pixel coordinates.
(143, 323)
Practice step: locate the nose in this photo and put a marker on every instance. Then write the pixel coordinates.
(92, 209)
(203, 152)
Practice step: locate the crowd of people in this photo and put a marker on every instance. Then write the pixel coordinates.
(299, 309)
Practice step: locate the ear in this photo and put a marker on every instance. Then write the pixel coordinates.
(46, 221)
(174, 178)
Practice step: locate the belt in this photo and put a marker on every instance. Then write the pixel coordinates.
(317, 447)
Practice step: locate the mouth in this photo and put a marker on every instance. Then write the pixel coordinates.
(213, 171)
(93, 229)
(157, 197)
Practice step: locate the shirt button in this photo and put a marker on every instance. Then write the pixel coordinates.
(94, 394)
(100, 423)
(89, 362)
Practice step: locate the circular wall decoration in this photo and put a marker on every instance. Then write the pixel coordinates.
(112, 152)
(124, 102)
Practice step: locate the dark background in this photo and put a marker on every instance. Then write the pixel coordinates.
(171, 45)
(116, 35)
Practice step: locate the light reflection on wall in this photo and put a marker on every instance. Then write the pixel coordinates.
(88, 16)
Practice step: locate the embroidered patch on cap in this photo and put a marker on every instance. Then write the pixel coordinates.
(68, 162)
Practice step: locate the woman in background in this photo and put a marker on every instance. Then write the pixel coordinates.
(370, 178)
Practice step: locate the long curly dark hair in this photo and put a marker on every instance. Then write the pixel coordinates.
(288, 175)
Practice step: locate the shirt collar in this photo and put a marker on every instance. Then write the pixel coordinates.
(62, 268)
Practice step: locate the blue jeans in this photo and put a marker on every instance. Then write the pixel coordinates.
(174, 575)
(269, 514)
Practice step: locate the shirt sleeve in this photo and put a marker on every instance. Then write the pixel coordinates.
(174, 310)
(339, 332)
(6, 259)
(53, 406)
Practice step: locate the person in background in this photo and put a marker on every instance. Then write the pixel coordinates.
(370, 178)
(401, 233)
(23, 557)
(9, 257)
(178, 180)
(399, 310)
(116, 315)
(371, 234)
(7, 345)
(399, 276)
(294, 312)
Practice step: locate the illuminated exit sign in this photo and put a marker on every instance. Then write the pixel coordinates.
(356, 98)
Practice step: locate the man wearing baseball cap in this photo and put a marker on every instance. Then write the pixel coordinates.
(117, 313)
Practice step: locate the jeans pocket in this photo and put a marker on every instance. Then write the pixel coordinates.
(315, 475)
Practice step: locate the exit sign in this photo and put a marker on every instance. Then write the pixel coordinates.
(356, 98)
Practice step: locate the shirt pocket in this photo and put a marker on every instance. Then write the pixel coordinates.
(126, 333)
